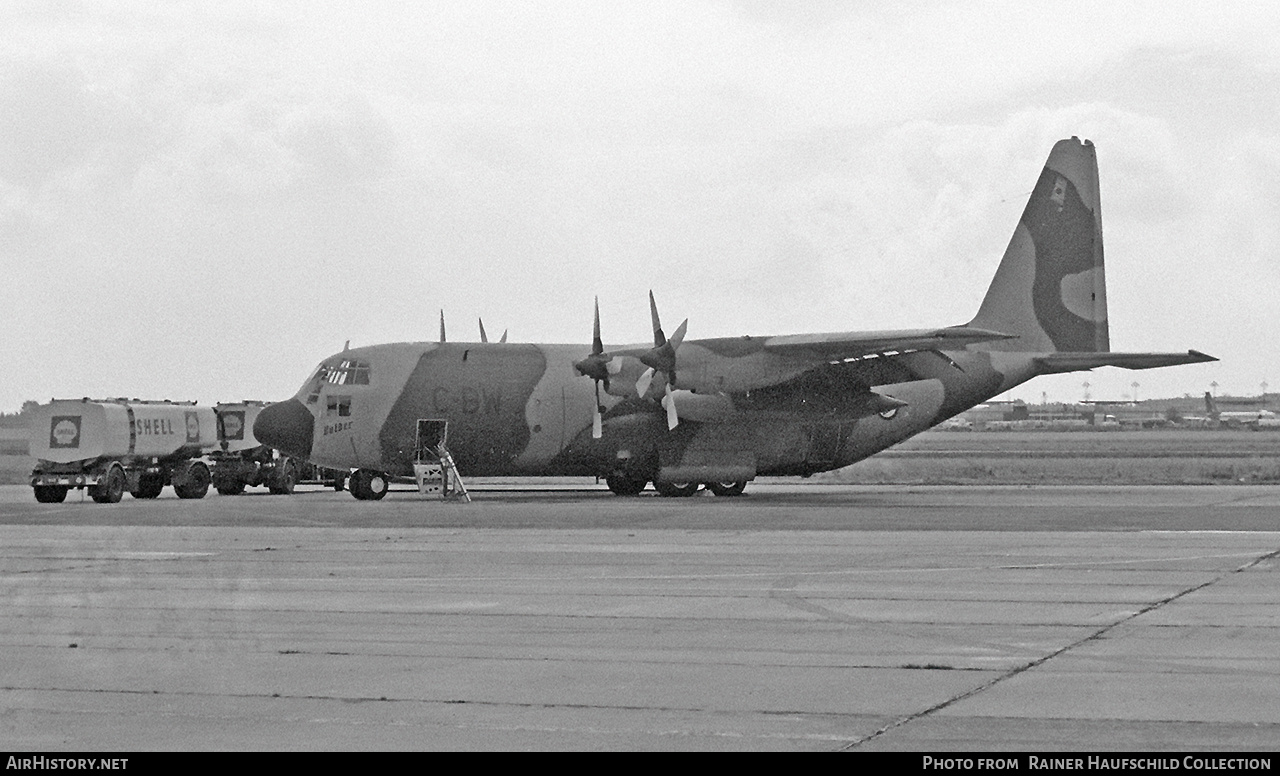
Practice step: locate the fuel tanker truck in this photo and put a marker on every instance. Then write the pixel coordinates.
(241, 460)
(113, 445)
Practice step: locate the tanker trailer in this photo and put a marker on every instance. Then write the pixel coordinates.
(241, 460)
(113, 445)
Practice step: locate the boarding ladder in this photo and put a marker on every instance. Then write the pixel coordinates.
(433, 466)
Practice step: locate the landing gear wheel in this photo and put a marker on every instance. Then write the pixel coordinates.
(727, 488)
(676, 489)
(229, 488)
(149, 486)
(285, 478)
(196, 482)
(50, 494)
(625, 485)
(368, 485)
(110, 488)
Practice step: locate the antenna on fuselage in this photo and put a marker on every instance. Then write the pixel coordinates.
(346, 346)
(485, 337)
(442, 325)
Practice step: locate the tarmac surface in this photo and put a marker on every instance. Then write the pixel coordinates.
(799, 617)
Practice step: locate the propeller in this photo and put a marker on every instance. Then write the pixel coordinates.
(596, 366)
(662, 358)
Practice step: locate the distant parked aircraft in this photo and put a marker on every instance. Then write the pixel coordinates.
(1255, 419)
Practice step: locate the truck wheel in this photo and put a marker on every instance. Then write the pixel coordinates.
(339, 481)
(110, 488)
(230, 488)
(368, 485)
(285, 478)
(149, 486)
(50, 494)
(195, 484)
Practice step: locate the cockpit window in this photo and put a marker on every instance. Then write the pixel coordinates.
(348, 373)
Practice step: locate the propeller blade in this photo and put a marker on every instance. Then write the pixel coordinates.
(646, 379)
(678, 337)
(673, 419)
(659, 339)
(597, 346)
(597, 424)
(483, 336)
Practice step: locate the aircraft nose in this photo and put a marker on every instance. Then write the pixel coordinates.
(287, 426)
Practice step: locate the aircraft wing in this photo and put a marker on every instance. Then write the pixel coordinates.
(1071, 362)
(846, 345)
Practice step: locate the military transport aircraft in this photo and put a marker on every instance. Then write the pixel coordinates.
(720, 412)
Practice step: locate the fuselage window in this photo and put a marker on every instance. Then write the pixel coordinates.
(339, 405)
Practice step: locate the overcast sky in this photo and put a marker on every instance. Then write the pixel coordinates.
(202, 200)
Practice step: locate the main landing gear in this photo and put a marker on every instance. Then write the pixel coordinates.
(625, 484)
(628, 485)
(676, 489)
(727, 488)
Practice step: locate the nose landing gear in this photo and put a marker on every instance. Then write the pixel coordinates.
(368, 485)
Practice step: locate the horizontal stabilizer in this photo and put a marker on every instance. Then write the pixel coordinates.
(864, 343)
(1074, 362)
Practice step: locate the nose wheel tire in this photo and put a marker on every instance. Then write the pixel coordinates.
(368, 485)
(727, 488)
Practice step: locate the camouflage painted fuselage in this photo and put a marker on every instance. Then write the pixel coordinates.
(522, 409)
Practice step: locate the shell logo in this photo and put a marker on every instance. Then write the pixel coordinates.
(233, 425)
(64, 432)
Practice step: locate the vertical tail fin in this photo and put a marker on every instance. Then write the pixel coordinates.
(1049, 289)
(1210, 406)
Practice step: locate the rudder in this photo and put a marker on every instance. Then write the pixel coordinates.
(1050, 288)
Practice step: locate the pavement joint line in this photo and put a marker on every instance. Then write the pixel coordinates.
(1067, 648)
(423, 701)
